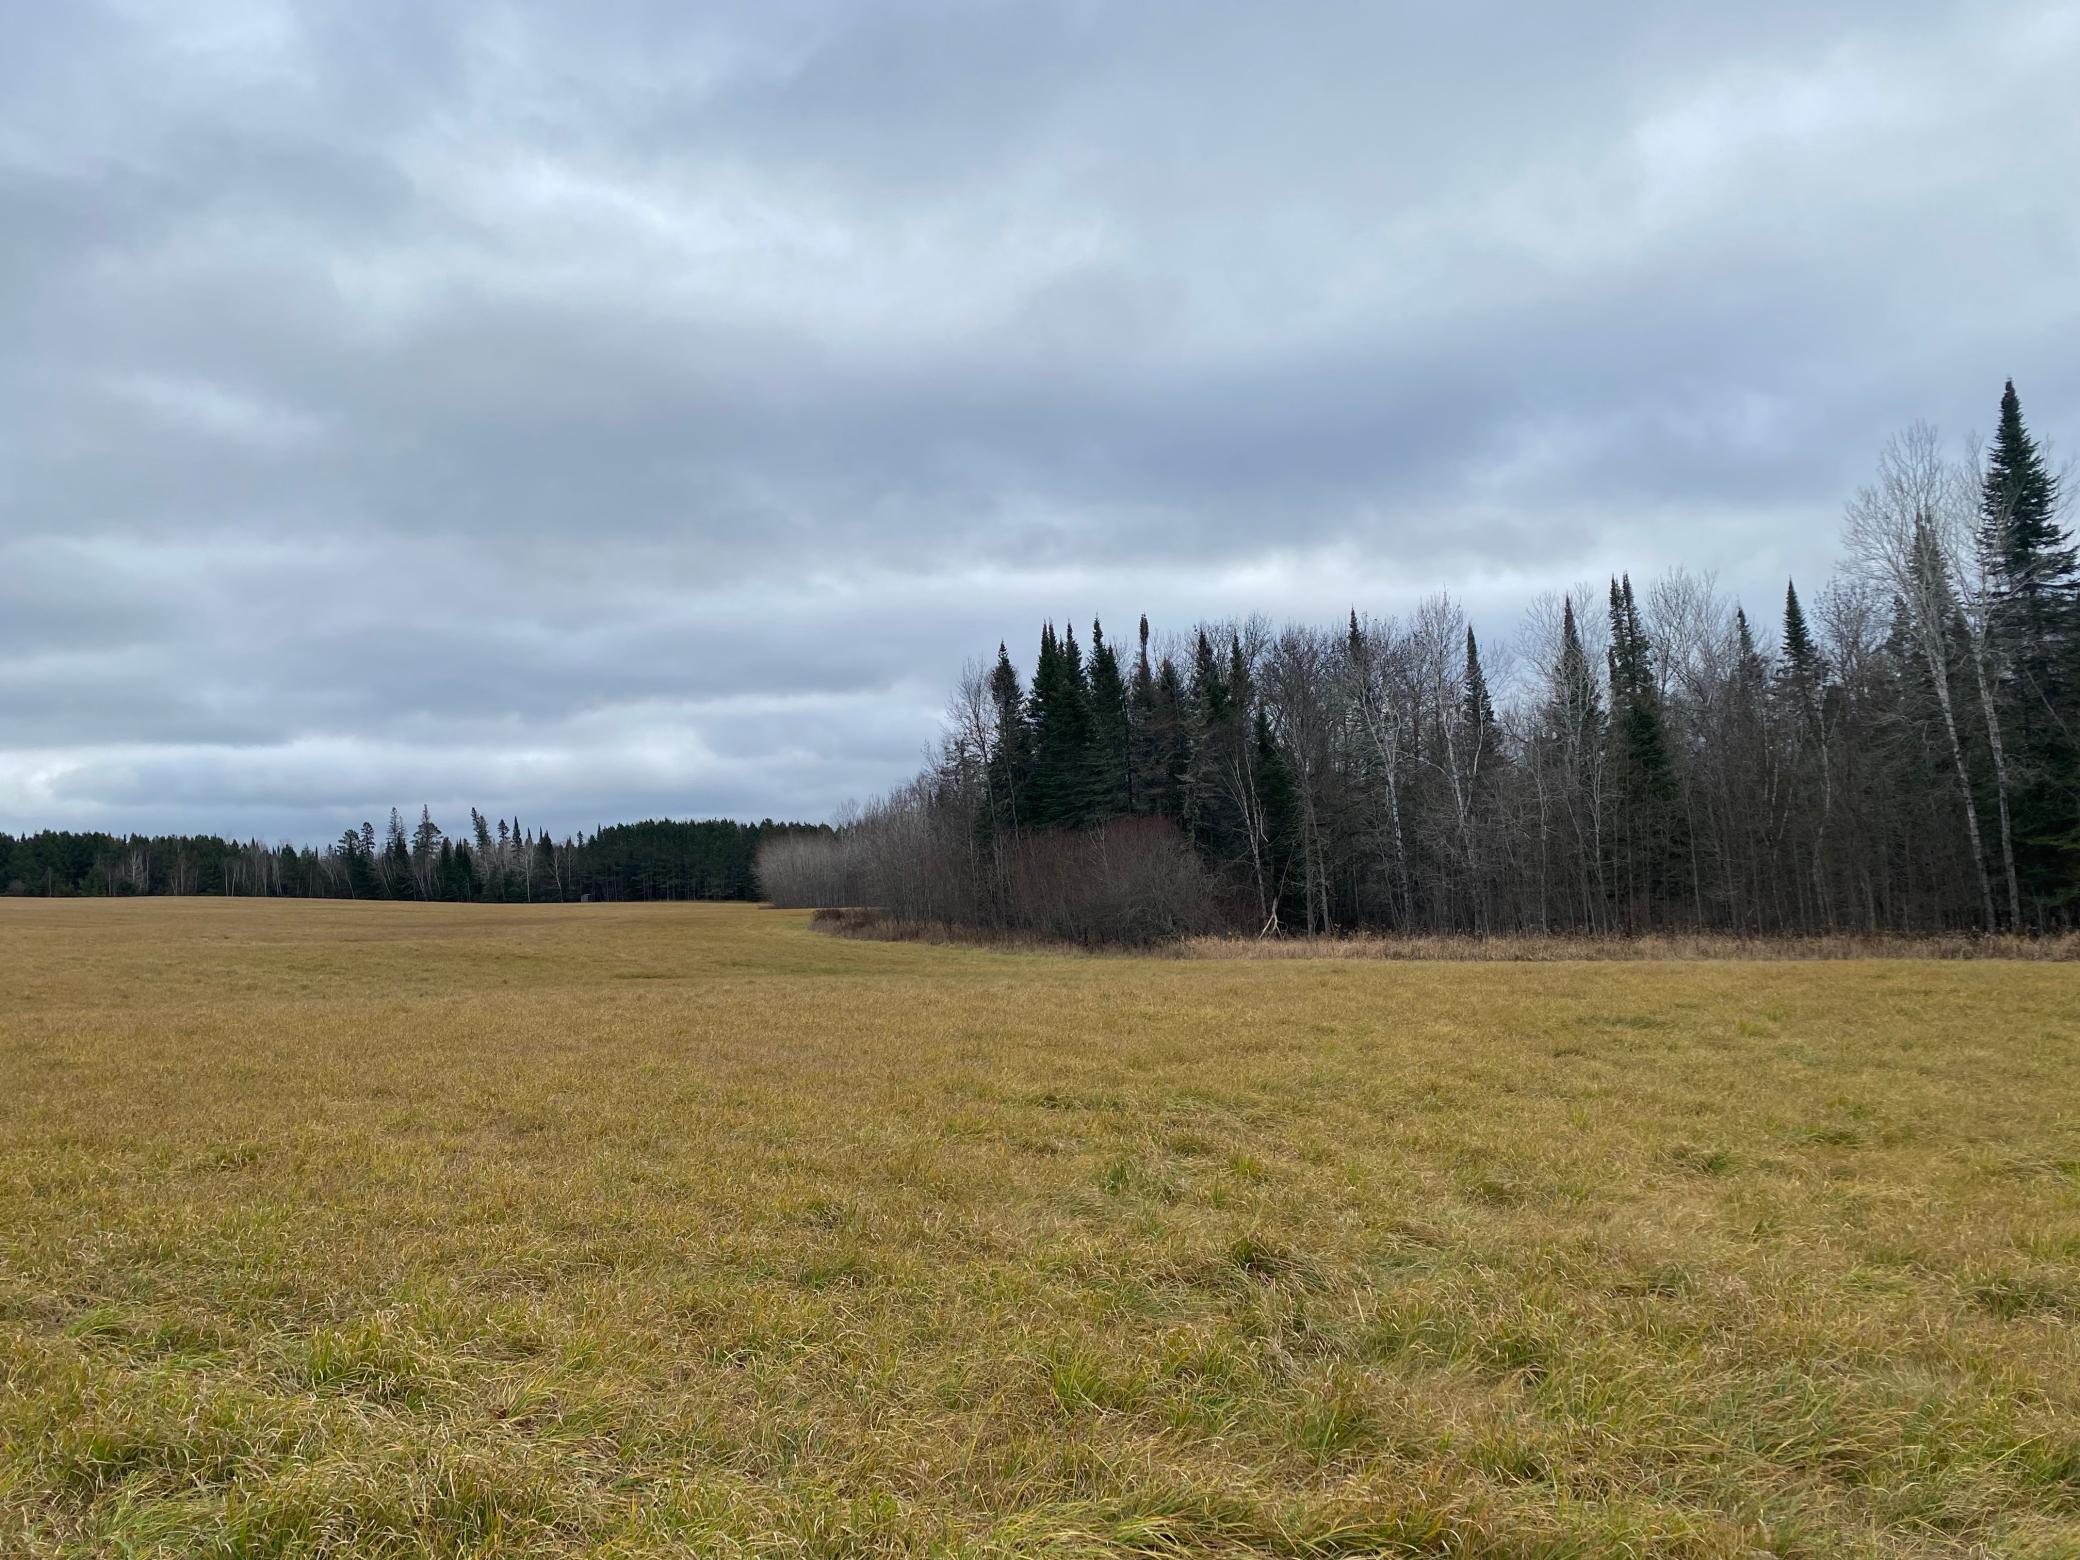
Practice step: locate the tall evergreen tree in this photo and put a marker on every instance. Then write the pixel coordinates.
(1578, 701)
(1010, 759)
(1060, 793)
(1803, 671)
(1212, 801)
(1477, 710)
(2034, 638)
(2033, 562)
(1143, 777)
(1111, 757)
(1648, 812)
(1163, 782)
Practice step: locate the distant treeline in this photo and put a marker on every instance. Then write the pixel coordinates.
(492, 861)
(1903, 757)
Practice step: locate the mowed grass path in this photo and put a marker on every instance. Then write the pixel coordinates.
(390, 1230)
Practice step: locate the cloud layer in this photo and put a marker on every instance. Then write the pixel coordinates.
(639, 409)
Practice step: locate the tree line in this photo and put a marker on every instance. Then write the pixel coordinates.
(1899, 751)
(495, 861)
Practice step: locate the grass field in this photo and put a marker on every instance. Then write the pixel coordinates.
(385, 1230)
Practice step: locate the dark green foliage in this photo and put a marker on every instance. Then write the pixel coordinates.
(1576, 714)
(1216, 774)
(1649, 841)
(1110, 758)
(1803, 671)
(651, 860)
(1477, 716)
(2030, 558)
(1062, 790)
(2033, 630)
(1009, 768)
(1159, 738)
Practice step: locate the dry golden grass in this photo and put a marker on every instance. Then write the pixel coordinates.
(379, 1230)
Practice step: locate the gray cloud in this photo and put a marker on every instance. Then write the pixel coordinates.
(646, 411)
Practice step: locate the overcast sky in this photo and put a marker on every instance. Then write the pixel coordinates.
(597, 412)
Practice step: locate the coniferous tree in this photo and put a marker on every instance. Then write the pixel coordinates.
(1801, 692)
(1477, 710)
(1143, 779)
(1060, 793)
(2033, 562)
(542, 874)
(1571, 738)
(1170, 744)
(1803, 670)
(426, 842)
(1111, 755)
(357, 874)
(1737, 780)
(1010, 758)
(1481, 741)
(1205, 810)
(397, 854)
(2033, 632)
(1649, 817)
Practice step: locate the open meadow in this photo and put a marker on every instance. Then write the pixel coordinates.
(368, 1229)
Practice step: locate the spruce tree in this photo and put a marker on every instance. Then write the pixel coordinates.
(2031, 560)
(1649, 815)
(1580, 701)
(1110, 757)
(1060, 794)
(1477, 710)
(1143, 763)
(1748, 670)
(1481, 743)
(1077, 778)
(542, 869)
(1803, 671)
(2034, 636)
(1170, 743)
(1209, 691)
(1011, 753)
(1210, 810)
(1043, 699)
